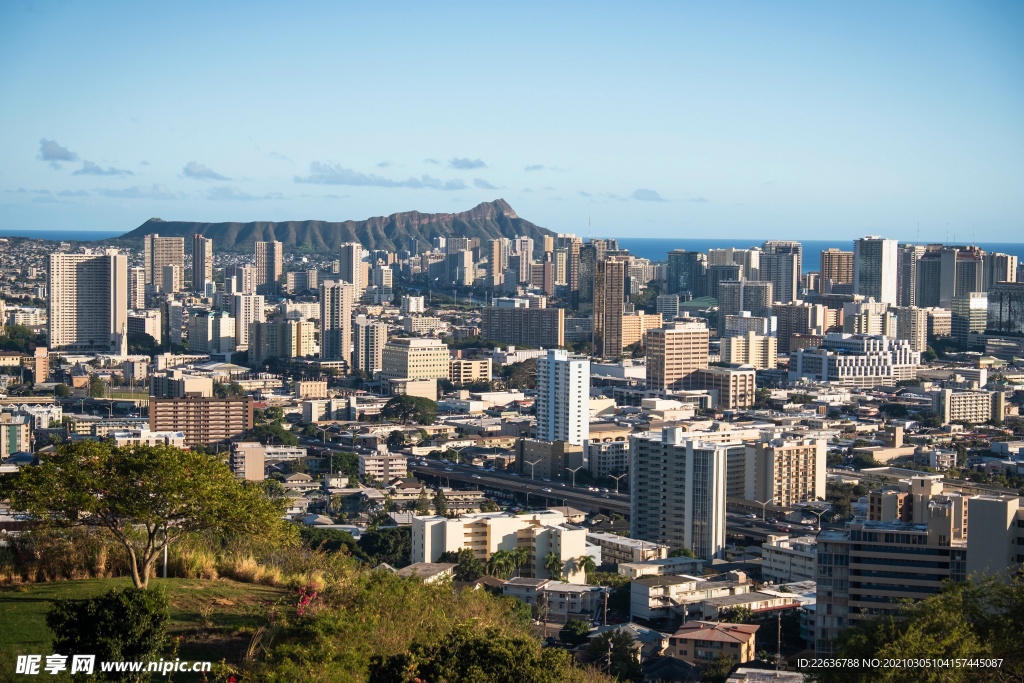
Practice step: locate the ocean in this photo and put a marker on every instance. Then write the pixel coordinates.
(62, 235)
(657, 248)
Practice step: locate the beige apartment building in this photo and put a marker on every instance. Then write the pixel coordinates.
(730, 388)
(415, 359)
(310, 389)
(202, 262)
(336, 301)
(635, 327)
(836, 268)
(609, 284)
(464, 371)
(269, 266)
(701, 642)
(370, 338)
(675, 352)
(540, 533)
(759, 351)
(789, 471)
(204, 421)
(158, 252)
(383, 466)
(88, 303)
(969, 406)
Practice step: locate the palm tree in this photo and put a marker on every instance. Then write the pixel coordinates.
(520, 557)
(553, 565)
(587, 564)
(500, 564)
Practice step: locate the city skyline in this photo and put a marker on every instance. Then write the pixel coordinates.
(786, 120)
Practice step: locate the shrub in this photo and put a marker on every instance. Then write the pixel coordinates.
(120, 625)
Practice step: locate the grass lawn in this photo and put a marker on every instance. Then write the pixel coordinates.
(216, 618)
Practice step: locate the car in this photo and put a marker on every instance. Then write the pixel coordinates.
(476, 476)
(545, 479)
(750, 516)
(606, 496)
(562, 484)
(546, 490)
(513, 474)
(448, 469)
(605, 491)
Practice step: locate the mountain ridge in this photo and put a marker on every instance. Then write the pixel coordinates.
(412, 230)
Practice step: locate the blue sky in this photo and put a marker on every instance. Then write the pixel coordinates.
(795, 120)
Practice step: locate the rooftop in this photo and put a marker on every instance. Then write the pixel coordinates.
(715, 631)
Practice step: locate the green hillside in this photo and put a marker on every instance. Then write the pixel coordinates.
(410, 230)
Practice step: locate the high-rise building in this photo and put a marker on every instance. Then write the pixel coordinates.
(675, 352)
(678, 492)
(269, 266)
(668, 306)
(722, 273)
(781, 264)
(524, 247)
(88, 304)
(874, 268)
(158, 252)
(969, 315)
(836, 268)
(754, 296)
(563, 398)
(687, 272)
(172, 279)
(137, 288)
(246, 310)
(422, 358)
(336, 300)
(280, 338)
(521, 326)
(869, 317)
(912, 325)
(210, 332)
(800, 317)
(856, 360)
(609, 292)
(350, 255)
(240, 280)
(907, 258)
(748, 259)
(370, 338)
(203, 421)
(759, 351)
(999, 268)
(202, 262)
(1006, 308)
(788, 471)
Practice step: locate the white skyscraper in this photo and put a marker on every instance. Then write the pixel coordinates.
(350, 256)
(677, 491)
(88, 302)
(336, 299)
(563, 398)
(875, 268)
(370, 337)
(246, 309)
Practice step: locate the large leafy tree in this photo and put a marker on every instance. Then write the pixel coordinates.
(415, 408)
(618, 653)
(147, 496)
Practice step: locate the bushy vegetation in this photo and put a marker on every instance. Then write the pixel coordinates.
(410, 408)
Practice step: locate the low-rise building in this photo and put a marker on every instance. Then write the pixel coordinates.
(701, 642)
(15, 434)
(785, 559)
(309, 389)
(679, 597)
(463, 371)
(383, 466)
(616, 549)
(147, 438)
(977, 407)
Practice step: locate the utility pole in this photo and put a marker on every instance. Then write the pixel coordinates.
(604, 620)
(778, 657)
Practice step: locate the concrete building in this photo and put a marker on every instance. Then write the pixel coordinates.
(204, 421)
(370, 338)
(246, 309)
(911, 501)
(912, 325)
(1006, 308)
(606, 451)
(411, 304)
(635, 327)
(248, 460)
(540, 533)
(976, 407)
(996, 542)
(869, 317)
(677, 491)
(202, 262)
(781, 264)
(336, 301)
(875, 269)
(968, 315)
(757, 351)
(87, 310)
(785, 559)
(136, 288)
(383, 466)
(609, 293)
(350, 256)
(836, 268)
(617, 549)
(464, 371)
(538, 327)
(15, 434)
(145, 437)
(210, 332)
(280, 338)
(856, 360)
(674, 598)
(753, 296)
(415, 359)
(172, 279)
(158, 252)
(310, 389)
(269, 267)
(563, 397)
(730, 388)
(147, 322)
(701, 642)
(788, 471)
(668, 306)
(176, 384)
(675, 352)
(870, 568)
(547, 459)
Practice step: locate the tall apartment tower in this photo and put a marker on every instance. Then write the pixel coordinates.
(88, 303)
(137, 288)
(788, 471)
(158, 252)
(836, 268)
(609, 292)
(202, 262)
(782, 264)
(677, 491)
(370, 338)
(563, 398)
(269, 266)
(246, 309)
(675, 353)
(336, 300)
(687, 273)
(875, 268)
(999, 268)
(350, 256)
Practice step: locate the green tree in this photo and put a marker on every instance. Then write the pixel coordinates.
(396, 439)
(61, 391)
(682, 552)
(96, 387)
(553, 565)
(147, 496)
(228, 390)
(575, 632)
(273, 433)
(423, 502)
(736, 615)
(392, 545)
(501, 564)
(467, 566)
(120, 625)
(718, 669)
(488, 505)
(440, 503)
(587, 564)
(274, 413)
(410, 408)
(617, 648)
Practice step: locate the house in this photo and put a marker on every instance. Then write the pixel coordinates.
(648, 642)
(699, 642)
(430, 572)
(527, 590)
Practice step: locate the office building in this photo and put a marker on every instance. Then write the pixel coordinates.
(202, 262)
(281, 338)
(781, 264)
(999, 268)
(350, 256)
(536, 327)
(609, 284)
(788, 471)
(786, 560)
(540, 533)
(336, 301)
(383, 466)
(158, 252)
(415, 359)
(800, 317)
(370, 338)
(203, 421)
(875, 269)
(87, 309)
(912, 325)
(869, 317)
(752, 296)
(759, 351)
(269, 267)
(968, 315)
(675, 352)
(908, 256)
(668, 306)
(563, 397)
(730, 388)
(677, 491)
